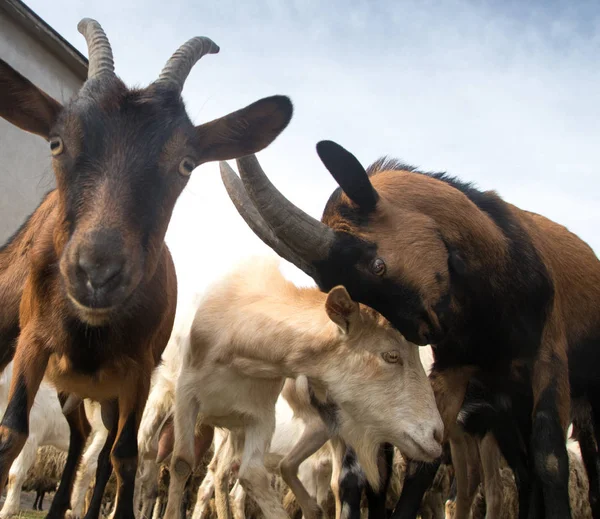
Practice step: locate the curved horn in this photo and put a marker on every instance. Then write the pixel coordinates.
(307, 237)
(238, 195)
(177, 69)
(99, 51)
(349, 174)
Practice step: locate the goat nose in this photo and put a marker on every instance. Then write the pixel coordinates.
(99, 272)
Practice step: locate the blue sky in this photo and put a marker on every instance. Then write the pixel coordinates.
(500, 93)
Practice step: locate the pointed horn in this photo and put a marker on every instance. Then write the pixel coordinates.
(177, 69)
(238, 195)
(100, 54)
(307, 237)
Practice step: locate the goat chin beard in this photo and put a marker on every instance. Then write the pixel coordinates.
(366, 451)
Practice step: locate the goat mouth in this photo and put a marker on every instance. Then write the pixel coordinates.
(92, 315)
(418, 452)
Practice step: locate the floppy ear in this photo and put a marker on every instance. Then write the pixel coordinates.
(341, 309)
(245, 131)
(25, 105)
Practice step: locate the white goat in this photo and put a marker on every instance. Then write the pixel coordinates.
(47, 426)
(254, 329)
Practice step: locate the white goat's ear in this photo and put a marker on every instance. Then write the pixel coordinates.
(341, 309)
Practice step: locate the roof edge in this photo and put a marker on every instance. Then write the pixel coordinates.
(38, 28)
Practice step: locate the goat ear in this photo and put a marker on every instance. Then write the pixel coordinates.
(341, 309)
(245, 131)
(457, 262)
(25, 105)
(166, 440)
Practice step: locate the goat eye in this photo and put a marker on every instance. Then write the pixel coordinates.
(391, 357)
(56, 146)
(378, 267)
(186, 166)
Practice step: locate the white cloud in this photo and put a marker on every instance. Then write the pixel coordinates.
(503, 95)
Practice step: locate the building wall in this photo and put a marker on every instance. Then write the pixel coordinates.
(25, 172)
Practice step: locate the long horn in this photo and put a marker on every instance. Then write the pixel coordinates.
(100, 54)
(310, 239)
(238, 195)
(177, 69)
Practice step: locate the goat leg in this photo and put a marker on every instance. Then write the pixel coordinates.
(466, 469)
(183, 458)
(124, 453)
(79, 430)
(315, 435)
(29, 367)
(551, 416)
(103, 470)
(338, 450)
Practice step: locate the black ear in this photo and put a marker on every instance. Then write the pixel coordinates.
(25, 105)
(349, 174)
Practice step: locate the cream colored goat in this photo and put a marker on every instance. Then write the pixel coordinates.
(253, 330)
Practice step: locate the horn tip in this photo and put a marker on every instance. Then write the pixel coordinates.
(213, 48)
(84, 23)
(226, 169)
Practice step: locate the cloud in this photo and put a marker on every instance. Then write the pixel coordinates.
(505, 95)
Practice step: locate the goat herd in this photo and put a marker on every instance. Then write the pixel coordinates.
(270, 375)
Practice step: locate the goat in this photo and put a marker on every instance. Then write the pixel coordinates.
(483, 281)
(252, 330)
(96, 292)
(49, 427)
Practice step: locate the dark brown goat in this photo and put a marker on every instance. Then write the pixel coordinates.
(88, 284)
(484, 282)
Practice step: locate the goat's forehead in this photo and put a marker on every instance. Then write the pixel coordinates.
(117, 109)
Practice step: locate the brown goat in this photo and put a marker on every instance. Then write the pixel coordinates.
(92, 278)
(484, 282)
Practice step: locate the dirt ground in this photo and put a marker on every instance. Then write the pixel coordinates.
(27, 499)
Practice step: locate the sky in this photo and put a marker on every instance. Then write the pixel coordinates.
(504, 94)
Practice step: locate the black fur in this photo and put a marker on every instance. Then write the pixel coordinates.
(549, 456)
(16, 416)
(62, 499)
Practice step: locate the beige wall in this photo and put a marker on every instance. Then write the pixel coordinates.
(25, 172)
